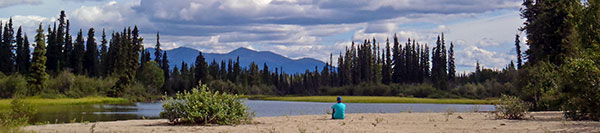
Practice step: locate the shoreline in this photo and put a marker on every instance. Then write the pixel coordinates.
(373, 99)
(38, 101)
(356, 122)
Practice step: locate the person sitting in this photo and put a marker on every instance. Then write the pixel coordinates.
(338, 109)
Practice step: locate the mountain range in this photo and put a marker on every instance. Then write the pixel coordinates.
(247, 56)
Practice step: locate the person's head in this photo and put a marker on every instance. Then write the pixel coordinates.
(339, 99)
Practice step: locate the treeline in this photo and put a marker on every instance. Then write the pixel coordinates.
(398, 69)
(57, 53)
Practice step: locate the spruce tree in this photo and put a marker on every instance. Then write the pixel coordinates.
(223, 71)
(78, 54)
(165, 68)
(236, 70)
(387, 64)
(201, 69)
(451, 65)
(397, 62)
(213, 69)
(38, 75)
(266, 75)
(90, 62)
(551, 28)
(68, 49)
(52, 52)
(426, 66)
(6, 46)
(22, 51)
(26, 55)
(103, 55)
(157, 50)
(518, 50)
(59, 41)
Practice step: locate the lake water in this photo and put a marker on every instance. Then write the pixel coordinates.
(108, 112)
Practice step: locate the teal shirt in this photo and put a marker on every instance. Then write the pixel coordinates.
(340, 109)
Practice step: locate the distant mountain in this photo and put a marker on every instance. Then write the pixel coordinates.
(188, 55)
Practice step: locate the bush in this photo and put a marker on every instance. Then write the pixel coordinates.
(260, 89)
(201, 106)
(18, 115)
(580, 79)
(136, 92)
(152, 77)
(511, 107)
(70, 85)
(469, 90)
(420, 90)
(13, 84)
(540, 86)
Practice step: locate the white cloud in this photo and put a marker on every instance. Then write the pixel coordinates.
(6, 3)
(113, 16)
(29, 23)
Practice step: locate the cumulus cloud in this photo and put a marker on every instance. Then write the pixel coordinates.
(29, 24)
(111, 15)
(7, 3)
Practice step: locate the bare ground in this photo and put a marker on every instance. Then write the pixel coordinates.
(391, 122)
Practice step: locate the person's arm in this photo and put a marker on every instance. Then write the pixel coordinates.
(333, 109)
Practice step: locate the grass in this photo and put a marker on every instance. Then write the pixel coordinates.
(373, 99)
(38, 101)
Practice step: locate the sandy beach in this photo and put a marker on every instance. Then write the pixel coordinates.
(367, 122)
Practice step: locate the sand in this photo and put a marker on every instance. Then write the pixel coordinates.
(362, 122)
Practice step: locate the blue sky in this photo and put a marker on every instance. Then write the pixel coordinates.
(482, 30)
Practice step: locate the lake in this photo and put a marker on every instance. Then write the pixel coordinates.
(110, 112)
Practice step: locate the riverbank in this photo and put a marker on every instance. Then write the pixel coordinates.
(392, 122)
(38, 101)
(372, 99)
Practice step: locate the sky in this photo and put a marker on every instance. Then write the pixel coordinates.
(481, 30)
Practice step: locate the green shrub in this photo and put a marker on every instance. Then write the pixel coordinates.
(201, 106)
(66, 84)
(468, 90)
(540, 87)
(580, 79)
(12, 84)
(152, 77)
(18, 116)
(511, 107)
(136, 92)
(418, 90)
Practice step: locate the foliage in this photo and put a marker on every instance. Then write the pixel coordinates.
(90, 61)
(38, 75)
(580, 79)
(137, 92)
(152, 77)
(226, 87)
(201, 106)
(6, 53)
(20, 112)
(11, 85)
(511, 107)
(541, 86)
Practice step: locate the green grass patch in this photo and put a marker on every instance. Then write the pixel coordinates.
(38, 101)
(373, 99)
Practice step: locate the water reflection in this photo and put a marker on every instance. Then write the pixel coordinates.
(111, 112)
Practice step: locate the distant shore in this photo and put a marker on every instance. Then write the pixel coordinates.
(368, 122)
(372, 99)
(38, 101)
